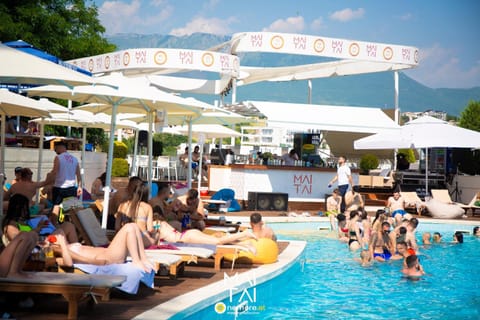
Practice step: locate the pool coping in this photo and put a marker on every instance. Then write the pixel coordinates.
(194, 301)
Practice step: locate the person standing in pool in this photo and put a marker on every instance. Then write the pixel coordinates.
(413, 268)
(458, 237)
(410, 238)
(380, 245)
(476, 231)
(344, 178)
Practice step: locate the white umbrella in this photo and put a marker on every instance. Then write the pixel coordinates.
(425, 132)
(12, 104)
(215, 116)
(17, 67)
(129, 95)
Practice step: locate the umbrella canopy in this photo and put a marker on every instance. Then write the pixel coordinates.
(12, 104)
(17, 67)
(129, 95)
(30, 49)
(208, 131)
(425, 132)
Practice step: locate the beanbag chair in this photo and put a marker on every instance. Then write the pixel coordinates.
(266, 252)
(443, 210)
(227, 195)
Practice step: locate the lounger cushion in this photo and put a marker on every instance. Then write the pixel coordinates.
(133, 275)
(184, 250)
(68, 279)
(439, 209)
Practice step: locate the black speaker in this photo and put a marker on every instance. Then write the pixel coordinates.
(142, 138)
(268, 201)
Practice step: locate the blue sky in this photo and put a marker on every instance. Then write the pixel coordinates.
(445, 31)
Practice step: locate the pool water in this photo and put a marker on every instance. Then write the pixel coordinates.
(329, 284)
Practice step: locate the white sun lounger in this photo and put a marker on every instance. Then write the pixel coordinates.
(73, 287)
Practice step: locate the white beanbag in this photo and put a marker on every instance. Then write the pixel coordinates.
(443, 210)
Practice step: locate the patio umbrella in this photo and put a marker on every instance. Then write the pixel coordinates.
(12, 104)
(216, 116)
(129, 95)
(17, 67)
(425, 132)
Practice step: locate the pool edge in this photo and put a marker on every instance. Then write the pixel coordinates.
(194, 301)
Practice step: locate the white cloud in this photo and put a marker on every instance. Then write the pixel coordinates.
(347, 14)
(118, 16)
(441, 68)
(317, 24)
(407, 16)
(291, 24)
(200, 24)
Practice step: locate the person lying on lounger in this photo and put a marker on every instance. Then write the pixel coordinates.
(127, 241)
(16, 253)
(169, 234)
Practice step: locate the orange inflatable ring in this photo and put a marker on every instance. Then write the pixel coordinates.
(266, 252)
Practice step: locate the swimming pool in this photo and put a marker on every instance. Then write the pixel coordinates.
(328, 284)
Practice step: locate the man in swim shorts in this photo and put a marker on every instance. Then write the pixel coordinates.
(413, 268)
(396, 205)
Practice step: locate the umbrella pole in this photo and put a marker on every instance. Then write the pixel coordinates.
(150, 151)
(82, 169)
(200, 168)
(2, 162)
(189, 167)
(426, 172)
(133, 171)
(108, 179)
(40, 157)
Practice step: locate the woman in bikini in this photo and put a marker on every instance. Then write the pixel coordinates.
(16, 253)
(136, 209)
(355, 241)
(127, 242)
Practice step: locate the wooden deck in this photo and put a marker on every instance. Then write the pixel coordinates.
(124, 306)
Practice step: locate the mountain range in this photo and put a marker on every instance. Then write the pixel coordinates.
(371, 90)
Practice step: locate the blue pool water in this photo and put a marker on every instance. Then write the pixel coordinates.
(327, 283)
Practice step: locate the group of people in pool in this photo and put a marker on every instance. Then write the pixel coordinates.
(384, 238)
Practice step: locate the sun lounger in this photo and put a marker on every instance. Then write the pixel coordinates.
(442, 195)
(413, 202)
(89, 228)
(73, 287)
(188, 254)
(472, 205)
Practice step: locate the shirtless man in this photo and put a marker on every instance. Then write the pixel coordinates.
(259, 229)
(396, 204)
(410, 238)
(380, 245)
(333, 206)
(190, 204)
(413, 268)
(353, 200)
(26, 187)
(163, 209)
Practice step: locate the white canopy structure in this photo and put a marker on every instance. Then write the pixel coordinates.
(340, 125)
(17, 67)
(425, 132)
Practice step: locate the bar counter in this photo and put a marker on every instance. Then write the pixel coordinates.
(308, 184)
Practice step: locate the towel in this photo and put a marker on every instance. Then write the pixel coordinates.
(134, 275)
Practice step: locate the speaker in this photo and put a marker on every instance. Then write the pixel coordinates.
(142, 138)
(268, 201)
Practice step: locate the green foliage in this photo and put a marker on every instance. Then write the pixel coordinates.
(119, 167)
(68, 29)
(169, 143)
(96, 136)
(470, 117)
(368, 162)
(120, 150)
(409, 155)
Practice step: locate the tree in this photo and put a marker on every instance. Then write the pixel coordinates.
(470, 116)
(67, 29)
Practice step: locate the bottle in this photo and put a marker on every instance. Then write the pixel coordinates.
(186, 221)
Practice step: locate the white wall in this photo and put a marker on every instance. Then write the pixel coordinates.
(95, 163)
